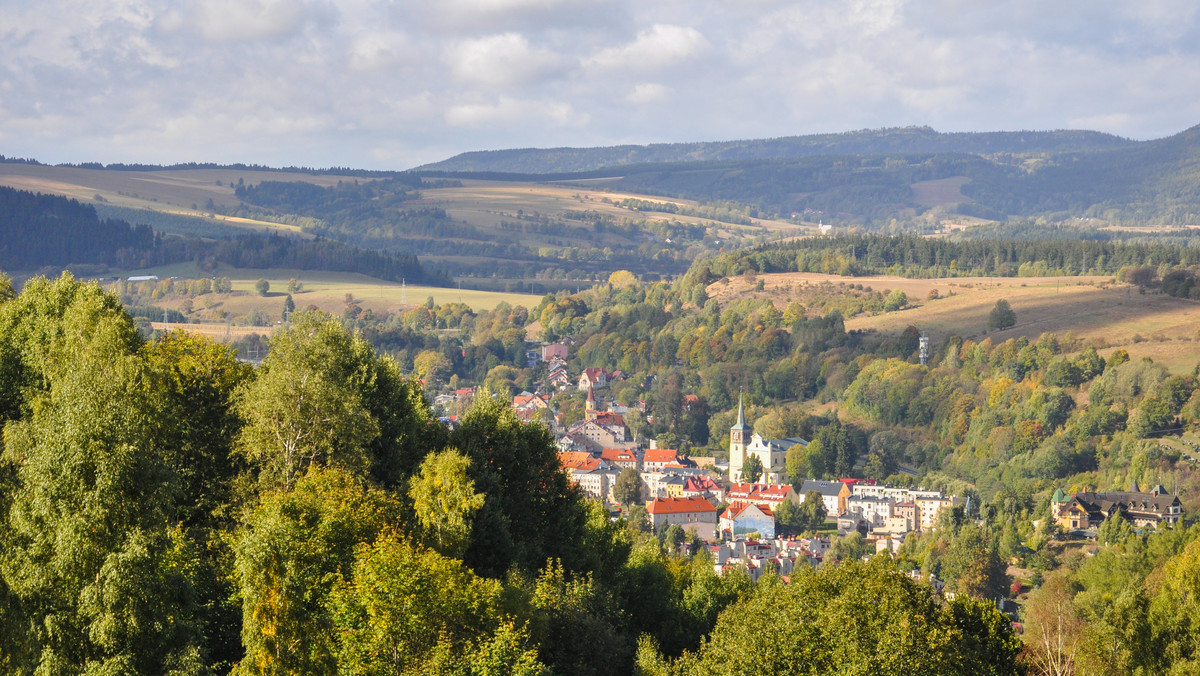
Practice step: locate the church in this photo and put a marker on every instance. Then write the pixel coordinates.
(772, 454)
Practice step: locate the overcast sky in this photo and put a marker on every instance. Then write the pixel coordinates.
(390, 85)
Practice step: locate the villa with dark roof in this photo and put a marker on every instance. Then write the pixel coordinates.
(1085, 509)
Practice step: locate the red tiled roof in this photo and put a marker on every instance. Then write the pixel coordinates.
(577, 460)
(679, 506)
(609, 418)
(735, 509)
(618, 455)
(700, 483)
(760, 491)
(661, 455)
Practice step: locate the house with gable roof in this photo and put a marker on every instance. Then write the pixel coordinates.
(622, 457)
(763, 495)
(695, 513)
(656, 459)
(744, 518)
(1086, 509)
(833, 493)
(592, 378)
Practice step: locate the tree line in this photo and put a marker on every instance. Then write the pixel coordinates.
(38, 230)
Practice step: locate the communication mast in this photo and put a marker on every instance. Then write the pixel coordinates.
(924, 343)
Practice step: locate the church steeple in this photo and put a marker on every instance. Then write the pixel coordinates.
(741, 419)
(589, 406)
(737, 443)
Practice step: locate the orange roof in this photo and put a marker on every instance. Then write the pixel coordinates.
(577, 460)
(661, 455)
(609, 418)
(679, 506)
(618, 455)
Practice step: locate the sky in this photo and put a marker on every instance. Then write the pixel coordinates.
(393, 84)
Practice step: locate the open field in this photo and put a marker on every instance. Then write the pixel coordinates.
(487, 203)
(326, 291)
(167, 190)
(481, 203)
(1151, 325)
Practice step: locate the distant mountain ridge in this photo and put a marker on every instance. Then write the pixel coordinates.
(898, 140)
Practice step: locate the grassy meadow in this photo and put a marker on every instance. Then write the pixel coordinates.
(1153, 325)
(221, 314)
(486, 204)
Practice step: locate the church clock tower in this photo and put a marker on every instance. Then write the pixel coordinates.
(737, 444)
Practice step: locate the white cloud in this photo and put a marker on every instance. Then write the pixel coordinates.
(507, 111)
(662, 45)
(371, 82)
(501, 60)
(381, 50)
(646, 92)
(247, 20)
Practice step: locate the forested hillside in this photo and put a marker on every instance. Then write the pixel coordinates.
(901, 140)
(39, 231)
(874, 178)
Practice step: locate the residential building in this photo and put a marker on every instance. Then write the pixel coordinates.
(695, 513)
(658, 458)
(1138, 508)
(744, 518)
(764, 495)
(593, 377)
(554, 351)
(833, 493)
(704, 486)
(873, 511)
(622, 457)
(928, 509)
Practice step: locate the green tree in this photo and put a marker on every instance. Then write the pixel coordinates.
(530, 513)
(1054, 628)
(628, 487)
(752, 469)
(867, 618)
(1002, 316)
(289, 306)
(305, 405)
(90, 551)
(812, 511)
(445, 500)
(972, 565)
(404, 607)
(294, 551)
(788, 519)
(895, 300)
(195, 380)
(262, 287)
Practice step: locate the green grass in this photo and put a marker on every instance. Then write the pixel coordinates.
(327, 291)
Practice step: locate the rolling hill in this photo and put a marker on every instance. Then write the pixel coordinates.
(904, 140)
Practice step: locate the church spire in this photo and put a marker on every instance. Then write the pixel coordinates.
(741, 419)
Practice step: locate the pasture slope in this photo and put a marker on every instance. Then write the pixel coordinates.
(1147, 324)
